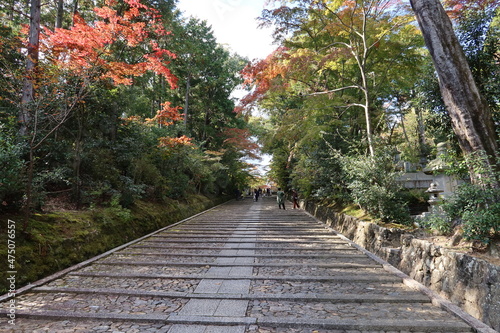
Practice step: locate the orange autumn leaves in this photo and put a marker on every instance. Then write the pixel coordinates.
(167, 116)
(86, 49)
(455, 8)
(260, 75)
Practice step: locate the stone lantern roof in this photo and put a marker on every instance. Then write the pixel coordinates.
(438, 165)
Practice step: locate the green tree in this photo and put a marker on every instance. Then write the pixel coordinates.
(336, 49)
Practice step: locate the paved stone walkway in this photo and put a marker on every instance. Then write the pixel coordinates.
(242, 267)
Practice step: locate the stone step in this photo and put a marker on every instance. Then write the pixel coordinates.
(342, 247)
(435, 326)
(301, 229)
(242, 260)
(236, 240)
(246, 236)
(309, 267)
(186, 269)
(208, 276)
(306, 228)
(334, 298)
(269, 287)
(241, 253)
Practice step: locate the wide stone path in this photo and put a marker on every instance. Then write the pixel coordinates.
(242, 267)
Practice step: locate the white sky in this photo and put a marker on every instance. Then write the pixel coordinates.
(234, 24)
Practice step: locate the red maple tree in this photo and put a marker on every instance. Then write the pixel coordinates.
(86, 49)
(240, 140)
(85, 54)
(455, 8)
(259, 75)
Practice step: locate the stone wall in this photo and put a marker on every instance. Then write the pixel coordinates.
(471, 283)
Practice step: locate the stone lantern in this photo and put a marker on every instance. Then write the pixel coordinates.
(446, 184)
(435, 198)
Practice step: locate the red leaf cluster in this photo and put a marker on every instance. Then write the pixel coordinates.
(168, 142)
(240, 140)
(456, 8)
(258, 75)
(86, 49)
(167, 115)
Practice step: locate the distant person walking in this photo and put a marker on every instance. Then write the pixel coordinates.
(281, 198)
(295, 199)
(256, 195)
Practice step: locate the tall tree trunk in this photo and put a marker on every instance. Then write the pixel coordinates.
(471, 117)
(77, 162)
(75, 10)
(60, 13)
(421, 135)
(29, 188)
(186, 104)
(12, 11)
(31, 66)
(27, 101)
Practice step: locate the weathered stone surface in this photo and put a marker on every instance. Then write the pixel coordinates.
(471, 283)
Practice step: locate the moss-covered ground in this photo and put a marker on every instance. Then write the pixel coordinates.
(57, 240)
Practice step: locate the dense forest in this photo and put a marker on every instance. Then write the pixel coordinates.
(107, 102)
(103, 103)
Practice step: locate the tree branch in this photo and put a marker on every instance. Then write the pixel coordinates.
(332, 91)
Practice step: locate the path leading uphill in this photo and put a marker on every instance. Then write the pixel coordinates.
(241, 267)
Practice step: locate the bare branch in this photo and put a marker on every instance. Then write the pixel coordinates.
(334, 90)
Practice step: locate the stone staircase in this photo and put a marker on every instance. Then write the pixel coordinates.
(241, 267)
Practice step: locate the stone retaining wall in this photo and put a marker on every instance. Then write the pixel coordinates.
(471, 283)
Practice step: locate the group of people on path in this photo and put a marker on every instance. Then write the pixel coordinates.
(281, 199)
(280, 195)
(258, 193)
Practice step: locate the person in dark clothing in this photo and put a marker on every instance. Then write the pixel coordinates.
(281, 198)
(295, 199)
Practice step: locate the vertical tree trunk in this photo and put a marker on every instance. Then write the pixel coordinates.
(75, 10)
(186, 104)
(77, 161)
(29, 189)
(421, 134)
(31, 65)
(27, 100)
(60, 13)
(11, 12)
(469, 112)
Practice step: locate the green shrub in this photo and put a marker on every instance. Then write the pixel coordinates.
(373, 185)
(436, 222)
(476, 206)
(11, 173)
